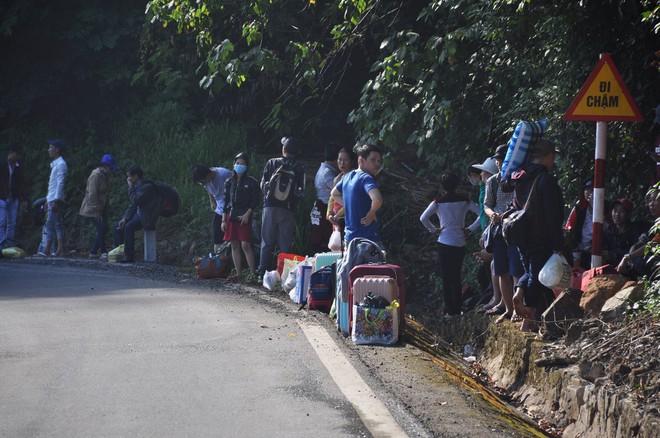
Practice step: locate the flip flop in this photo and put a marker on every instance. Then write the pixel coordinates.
(516, 318)
(503, 318)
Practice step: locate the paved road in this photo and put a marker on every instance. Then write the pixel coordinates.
(86, 353)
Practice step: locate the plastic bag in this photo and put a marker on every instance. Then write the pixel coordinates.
(556, 273)
(13, 252)
(270, 279)
(288, 266)
(117, 254)
(334, 244)
(290, 281)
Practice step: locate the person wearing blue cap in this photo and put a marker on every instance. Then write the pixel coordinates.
(55, 199)
(95, 204)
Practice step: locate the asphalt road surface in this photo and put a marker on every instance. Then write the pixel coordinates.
(97, 354)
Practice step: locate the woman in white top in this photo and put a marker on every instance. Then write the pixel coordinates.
(451, 210)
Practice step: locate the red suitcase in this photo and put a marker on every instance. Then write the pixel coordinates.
(379, 270)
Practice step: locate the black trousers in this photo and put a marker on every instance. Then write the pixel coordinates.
(450, 267)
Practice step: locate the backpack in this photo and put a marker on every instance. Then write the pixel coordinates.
(169, 200)
(282, 186)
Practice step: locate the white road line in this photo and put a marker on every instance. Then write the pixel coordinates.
(372, 411)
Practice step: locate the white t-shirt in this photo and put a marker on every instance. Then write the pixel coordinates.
(451, 212)
(216, 187)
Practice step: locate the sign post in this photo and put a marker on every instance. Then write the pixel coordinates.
(603, 97)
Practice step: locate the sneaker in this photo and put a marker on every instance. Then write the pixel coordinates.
(104, 256)
(41, 254)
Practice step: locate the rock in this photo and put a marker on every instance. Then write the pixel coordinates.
(615, 307)
(565, 309)
(599, 290)
(591, 371)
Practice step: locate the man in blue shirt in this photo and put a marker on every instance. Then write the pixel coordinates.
(359, 194)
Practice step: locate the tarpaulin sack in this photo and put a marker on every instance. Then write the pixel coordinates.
(524, 136)
(211, 266)
(373, 325)
(557, 273)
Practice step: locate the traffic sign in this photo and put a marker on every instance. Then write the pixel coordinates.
(604, 97)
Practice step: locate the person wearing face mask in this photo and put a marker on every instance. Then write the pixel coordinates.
(360, 196)
(213, 180)
(241, 197)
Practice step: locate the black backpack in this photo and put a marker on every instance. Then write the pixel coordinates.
(282, 185)
(169, 200)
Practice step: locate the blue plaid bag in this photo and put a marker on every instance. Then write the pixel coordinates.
(524, 136)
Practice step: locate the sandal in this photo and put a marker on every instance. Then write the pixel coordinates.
(503, 317)
(516, 318)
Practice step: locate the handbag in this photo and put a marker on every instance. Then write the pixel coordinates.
(515, 223)
(489, 234)
(373, 325)
(211, 266)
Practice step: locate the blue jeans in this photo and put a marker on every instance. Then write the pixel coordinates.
(101, 228)
(55, 223)
(278, 225)
(126, 235)
(8, 217)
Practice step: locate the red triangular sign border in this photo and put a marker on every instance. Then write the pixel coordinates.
(604, 59)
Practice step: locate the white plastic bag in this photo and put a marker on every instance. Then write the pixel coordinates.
(334, 244)
(556, 273)
(291, 280)
(270, 279)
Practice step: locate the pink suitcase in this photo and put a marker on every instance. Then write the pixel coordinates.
(381, 285)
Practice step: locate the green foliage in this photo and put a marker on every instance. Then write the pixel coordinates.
(651, 303)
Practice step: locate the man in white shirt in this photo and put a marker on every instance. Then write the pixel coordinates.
(213, 180)
(55, 199)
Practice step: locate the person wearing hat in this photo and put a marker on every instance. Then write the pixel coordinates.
(323, 183)
(488, 168)
(241, 198)
(621, 233)
(506, 259)
(213, 179)
(55, 199)
(95, 203)
(545, 235)
(283, 184)
(13, 191)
